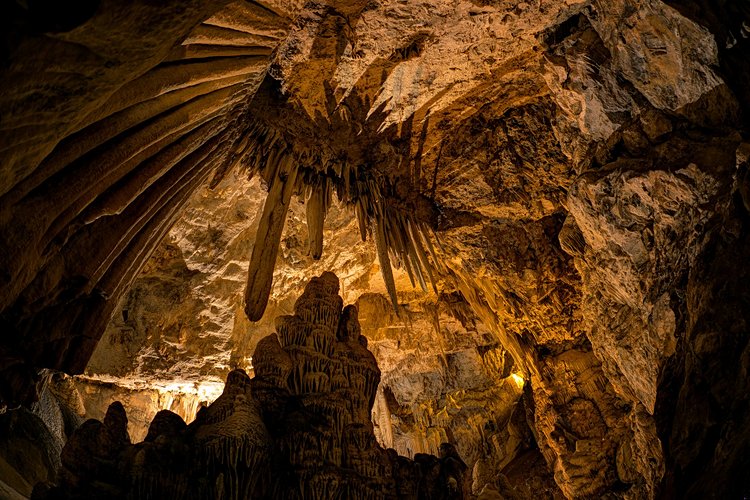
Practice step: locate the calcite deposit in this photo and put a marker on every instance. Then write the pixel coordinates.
(540, 208)
(300, 428)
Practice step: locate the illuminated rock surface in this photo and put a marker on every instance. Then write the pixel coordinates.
(300, 428)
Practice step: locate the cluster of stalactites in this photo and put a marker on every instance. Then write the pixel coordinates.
(401, 239)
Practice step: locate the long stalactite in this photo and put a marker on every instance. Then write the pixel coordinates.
(270, 228)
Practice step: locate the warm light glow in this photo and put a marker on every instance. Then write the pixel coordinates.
(517, 379)
(206, 391)
(247, 365)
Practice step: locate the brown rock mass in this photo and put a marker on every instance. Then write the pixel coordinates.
(299, 429)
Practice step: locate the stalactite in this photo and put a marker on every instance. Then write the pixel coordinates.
(316, 212)
(268, 238)
(361, 212)
(238, 152)
(385, 263)
(101, 133)
(416, 246)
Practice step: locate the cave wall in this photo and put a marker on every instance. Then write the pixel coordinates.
(174, 337)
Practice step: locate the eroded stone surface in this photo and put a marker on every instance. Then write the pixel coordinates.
(299, 429)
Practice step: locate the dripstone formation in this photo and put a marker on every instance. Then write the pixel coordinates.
(300, 428)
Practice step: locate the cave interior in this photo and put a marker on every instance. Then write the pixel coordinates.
(375, 249)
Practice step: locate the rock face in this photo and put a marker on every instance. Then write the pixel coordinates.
(130, 112)
(299, 429)
(144, 400)
(444, 376)
(32, 439)
(181, 327)
(183, 320)
(444, 379)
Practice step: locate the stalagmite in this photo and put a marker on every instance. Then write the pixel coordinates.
(581, 170)
(267, 240)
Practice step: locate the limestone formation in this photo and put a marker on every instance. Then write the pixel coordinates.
(299, 429)
(129, 131)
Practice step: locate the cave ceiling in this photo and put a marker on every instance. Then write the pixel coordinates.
(573, 174)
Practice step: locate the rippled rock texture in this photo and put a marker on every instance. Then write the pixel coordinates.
(300, 428)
